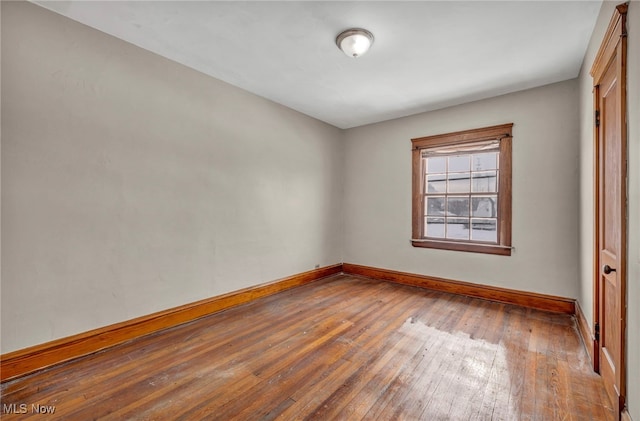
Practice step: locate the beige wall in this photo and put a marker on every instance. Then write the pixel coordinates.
(586, 189)
(132, 184)
(633, 293)
(545, 193)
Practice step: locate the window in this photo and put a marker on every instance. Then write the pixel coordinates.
(462, 191)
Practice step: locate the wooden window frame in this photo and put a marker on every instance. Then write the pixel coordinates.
(502, 133)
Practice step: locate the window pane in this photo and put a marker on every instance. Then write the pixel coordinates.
(459, 163)
(484, 230)
(436, 183)
(458, 229)
(485, 161)
(434, 227)
(486, 181)
(438, 164)
(484, 207)
(459, 183)
(458, 206)
(434, 206)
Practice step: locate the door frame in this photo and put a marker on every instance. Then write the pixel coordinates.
(613, 44)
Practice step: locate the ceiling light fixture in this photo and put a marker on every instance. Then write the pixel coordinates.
(354, 42)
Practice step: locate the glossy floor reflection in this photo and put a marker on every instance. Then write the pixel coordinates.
(342, 348)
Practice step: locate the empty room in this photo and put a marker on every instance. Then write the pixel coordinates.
(322, 210)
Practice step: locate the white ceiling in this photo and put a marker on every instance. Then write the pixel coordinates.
(426, 55)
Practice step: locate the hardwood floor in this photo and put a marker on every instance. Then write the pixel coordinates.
(344, 348)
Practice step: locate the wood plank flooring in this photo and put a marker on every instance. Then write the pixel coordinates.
(343, 348)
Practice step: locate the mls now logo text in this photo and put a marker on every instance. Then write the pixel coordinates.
(23, 408)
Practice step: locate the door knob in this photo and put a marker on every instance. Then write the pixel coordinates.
(607, 269)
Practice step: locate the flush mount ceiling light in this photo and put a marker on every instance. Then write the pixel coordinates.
(354, 42)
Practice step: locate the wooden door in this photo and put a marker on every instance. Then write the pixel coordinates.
(609, 76)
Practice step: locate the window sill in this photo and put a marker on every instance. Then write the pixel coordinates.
(459, 246)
